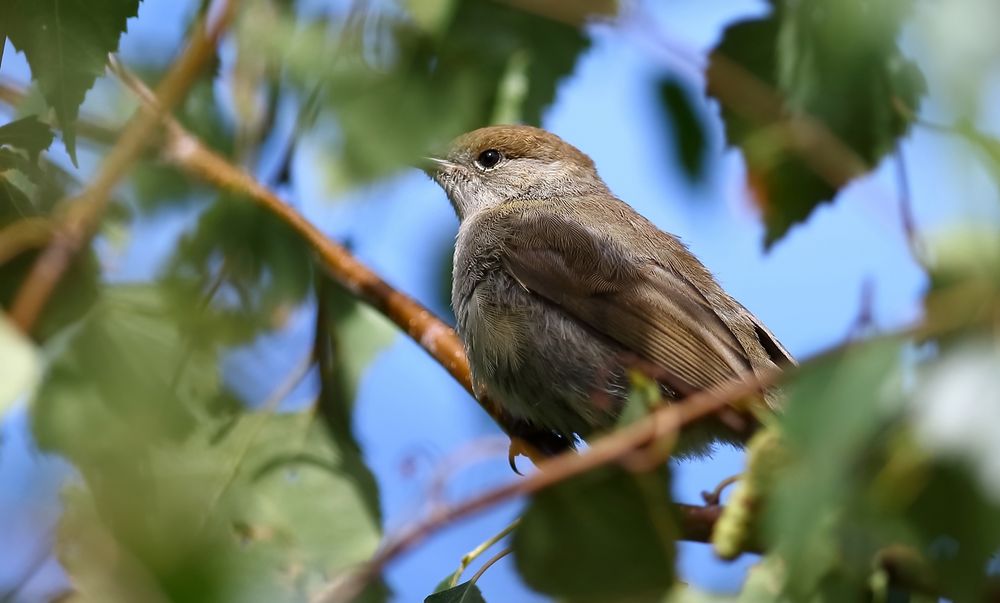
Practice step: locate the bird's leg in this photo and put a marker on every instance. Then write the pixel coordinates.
(535, 443)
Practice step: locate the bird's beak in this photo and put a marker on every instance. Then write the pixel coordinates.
(432, 166)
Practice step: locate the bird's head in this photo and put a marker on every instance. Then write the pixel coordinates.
(493, 165)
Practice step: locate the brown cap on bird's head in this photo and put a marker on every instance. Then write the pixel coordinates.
(518, 141)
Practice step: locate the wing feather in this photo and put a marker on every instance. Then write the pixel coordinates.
(646, 308)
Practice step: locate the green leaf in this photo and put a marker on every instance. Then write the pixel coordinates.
(956, 520)
(833, 428)
(446, 582)
(491, 59)
(684, 593)
(197, 507)
(28, 134)
(14, 202)
(74, 294)
(306, 505)
(66, 43)
(689, 133)
(349, 335)
(20, 369)
(839, 67)
(466, 592)
(431, 15)
(607, 535)
(126, 372)
(266, 513)
(260, 282)
(357, 334)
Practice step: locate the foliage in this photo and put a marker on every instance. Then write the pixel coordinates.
(66, 44)
(817, 69)
(466, 592)
(878, 480)
(604, 536)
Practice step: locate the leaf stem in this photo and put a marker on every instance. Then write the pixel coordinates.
(489, 563)
(475, 553)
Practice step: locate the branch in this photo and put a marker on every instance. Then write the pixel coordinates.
(185, 151)
(617, 447)
(81, 221)
(188, 153)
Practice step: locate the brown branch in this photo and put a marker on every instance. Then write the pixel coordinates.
(616, 447)
(185, 151)
(81, 221)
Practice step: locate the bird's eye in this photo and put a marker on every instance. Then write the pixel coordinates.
(489, 158)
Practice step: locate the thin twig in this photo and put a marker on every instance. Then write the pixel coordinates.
(477, 552)
(714, 496)
(81, 221)
(906, 209)
(489, 563)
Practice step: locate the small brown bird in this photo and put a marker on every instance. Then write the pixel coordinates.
(560, 287)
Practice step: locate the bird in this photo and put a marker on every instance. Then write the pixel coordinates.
(560, 288)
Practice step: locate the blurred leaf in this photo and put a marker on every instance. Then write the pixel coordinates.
(267, 514)
(432, 15)
(66, 44)
(957, 523)
(466, 592)
(73, 295)
(684, 593)
(988, 147)
(604, 536)
(123, 372)
(22, 181)
(20, 368)
(835, 411)
(308, 508)
(349, 335)
(263, 510)
(958, 407)
(689, 133)
(964, 291)
(14, 202)
(140, 531)
(840, 67)
(28, 134)
(158, 185)
(239, 273)
(357, 333)
(764, 582)
(451, 82)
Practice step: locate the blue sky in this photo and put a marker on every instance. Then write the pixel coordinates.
(808, 289)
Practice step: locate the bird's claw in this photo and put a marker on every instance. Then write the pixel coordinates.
(517, 448)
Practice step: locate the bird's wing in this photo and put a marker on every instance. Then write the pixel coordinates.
(645, 307)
